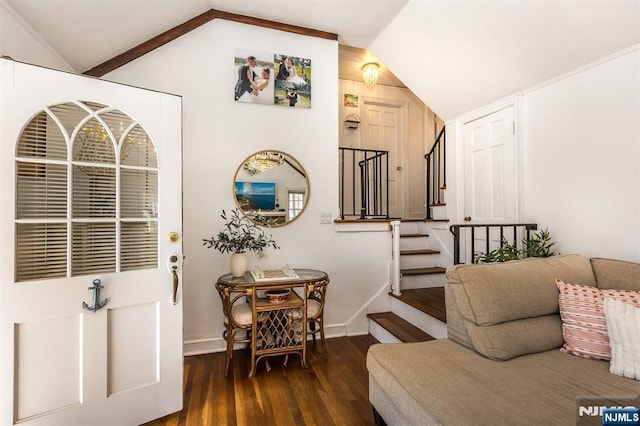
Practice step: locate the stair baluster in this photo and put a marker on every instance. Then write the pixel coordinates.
(436, 172)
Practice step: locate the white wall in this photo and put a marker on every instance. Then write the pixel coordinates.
(220, 133)
(20, 42)
(582, 159)
(579, 137)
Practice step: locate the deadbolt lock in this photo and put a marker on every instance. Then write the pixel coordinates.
(173, 237)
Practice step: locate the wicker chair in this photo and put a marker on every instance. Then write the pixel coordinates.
(237, 318)
(315, 312)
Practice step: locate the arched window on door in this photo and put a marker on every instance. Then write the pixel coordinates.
(87, 193)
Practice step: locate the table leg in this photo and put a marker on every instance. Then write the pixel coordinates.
(254, 344)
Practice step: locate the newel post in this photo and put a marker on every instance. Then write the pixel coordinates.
(395, 257)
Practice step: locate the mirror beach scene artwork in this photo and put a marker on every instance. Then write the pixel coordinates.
(271, 187)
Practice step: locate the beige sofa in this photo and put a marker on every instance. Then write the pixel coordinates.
(501, 363)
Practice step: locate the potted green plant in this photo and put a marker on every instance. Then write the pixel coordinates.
(238, 236)
(537, 245)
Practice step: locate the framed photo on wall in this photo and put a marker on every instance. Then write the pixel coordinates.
(254, 77)
(350, 100)
(292, 81)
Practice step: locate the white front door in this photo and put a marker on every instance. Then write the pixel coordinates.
(490, 172)
(90, 182)
(383, 131)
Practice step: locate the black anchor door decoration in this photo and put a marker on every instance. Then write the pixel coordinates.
(96, 298)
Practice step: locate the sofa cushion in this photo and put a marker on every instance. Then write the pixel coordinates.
(510, 309)
(616, 274)
(514, 338)
(584, 328)
(623, 326)
(443, 381)
(508, 291)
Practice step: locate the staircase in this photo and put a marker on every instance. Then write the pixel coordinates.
(418, 314)
(418, 309)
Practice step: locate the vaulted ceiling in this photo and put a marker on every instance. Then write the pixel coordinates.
(466, 54)
(455, 55)
(86, 33)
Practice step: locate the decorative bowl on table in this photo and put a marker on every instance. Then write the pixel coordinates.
(277, 296)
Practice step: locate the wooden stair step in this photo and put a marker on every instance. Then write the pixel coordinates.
(423, 271)
(419, 251)
(428, 300)
(413, 235)
(402, 329)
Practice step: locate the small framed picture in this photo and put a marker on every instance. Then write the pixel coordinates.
(350, 100)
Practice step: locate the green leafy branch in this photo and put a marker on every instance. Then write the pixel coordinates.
(238, 235)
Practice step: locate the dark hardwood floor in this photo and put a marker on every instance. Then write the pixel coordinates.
(329, 392)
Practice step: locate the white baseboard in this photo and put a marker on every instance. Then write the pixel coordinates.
(218, 344)
(204, 346)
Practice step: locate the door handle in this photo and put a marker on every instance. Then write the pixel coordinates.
(173, 262)
(174, 294)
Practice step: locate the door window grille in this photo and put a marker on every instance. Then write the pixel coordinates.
(87, 193)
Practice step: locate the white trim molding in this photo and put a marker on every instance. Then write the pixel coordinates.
(581, 69)
(36, 36)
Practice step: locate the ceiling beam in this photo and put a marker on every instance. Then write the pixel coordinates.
(190, 25)
(250, 20)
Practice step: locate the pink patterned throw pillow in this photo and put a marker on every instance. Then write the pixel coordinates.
(584, 327)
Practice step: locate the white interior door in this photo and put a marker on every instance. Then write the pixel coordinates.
(490, 172)
(90, 180)
(383, 131)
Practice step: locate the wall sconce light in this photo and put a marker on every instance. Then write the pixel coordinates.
(370, 73)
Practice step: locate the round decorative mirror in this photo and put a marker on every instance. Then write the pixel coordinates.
(271, 188)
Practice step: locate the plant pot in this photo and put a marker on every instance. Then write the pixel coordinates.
(238, 264)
